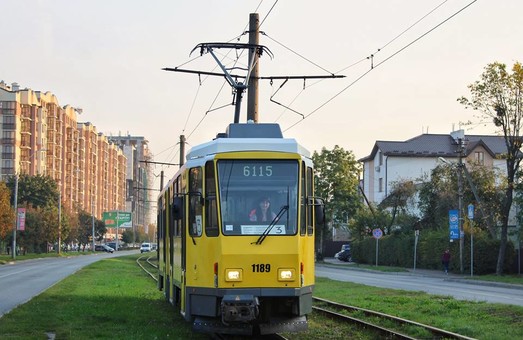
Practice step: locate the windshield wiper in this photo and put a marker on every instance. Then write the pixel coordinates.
(271, 225)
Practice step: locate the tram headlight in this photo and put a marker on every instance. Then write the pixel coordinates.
(233, 275)
(286, 274)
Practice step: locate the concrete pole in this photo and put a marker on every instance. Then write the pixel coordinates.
(460, 205)
(13, 244)
(252, 94)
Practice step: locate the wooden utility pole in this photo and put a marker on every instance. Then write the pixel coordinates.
(252, 94)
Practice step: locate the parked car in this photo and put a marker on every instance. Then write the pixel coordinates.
(145, 247)
(343, 248)
(113, 245)
(344, 255)
(103, 247)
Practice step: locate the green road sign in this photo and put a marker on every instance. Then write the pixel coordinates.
(120, 219)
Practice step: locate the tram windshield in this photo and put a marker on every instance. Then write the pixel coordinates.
(256, 194)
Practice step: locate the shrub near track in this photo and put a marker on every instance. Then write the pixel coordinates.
(109, 299)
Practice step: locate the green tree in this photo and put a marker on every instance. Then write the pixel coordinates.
(398, 201)
(85, 228)
(366, 219)
(440, 194)
(498, 96)
(336, 180)
(127, 236)
(39, 194)
(7, 216)
(37, 191)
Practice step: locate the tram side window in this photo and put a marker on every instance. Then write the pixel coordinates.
(176, 194)
(211, 212)
(195, 202)
(171, 220)
(310, 206)
(304, 203)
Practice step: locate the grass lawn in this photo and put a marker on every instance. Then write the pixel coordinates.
(114, 299)
(110, 299)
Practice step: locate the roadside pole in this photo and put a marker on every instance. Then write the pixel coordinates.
(470, 210)
(377, 234)
(416, 236)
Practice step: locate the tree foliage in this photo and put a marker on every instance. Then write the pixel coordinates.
(440, 194)
(498, 96)
(35, 191)
(85, 228)
(7, 216)
(336, 180)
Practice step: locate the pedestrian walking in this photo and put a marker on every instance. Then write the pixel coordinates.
(445, 259)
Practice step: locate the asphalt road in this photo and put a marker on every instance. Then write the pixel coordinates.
(22, 280)
(429, 281)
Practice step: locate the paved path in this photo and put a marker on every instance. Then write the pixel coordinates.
(429, 281)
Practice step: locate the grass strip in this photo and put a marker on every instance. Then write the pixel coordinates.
(109, 299)
(115, 299)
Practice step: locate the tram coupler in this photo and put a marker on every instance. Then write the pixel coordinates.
(239, 308)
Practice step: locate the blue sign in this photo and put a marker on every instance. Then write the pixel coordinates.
(471, 211)
(454, 224)
(377, 233)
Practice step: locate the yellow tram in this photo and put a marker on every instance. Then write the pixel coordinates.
(236, 231)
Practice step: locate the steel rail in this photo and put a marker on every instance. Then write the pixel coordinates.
(433, 330)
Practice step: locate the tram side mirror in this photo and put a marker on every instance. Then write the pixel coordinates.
(177, 208)
(319, 211)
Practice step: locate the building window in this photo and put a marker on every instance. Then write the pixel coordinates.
(380, 185)
(380, 158)
(479, 157)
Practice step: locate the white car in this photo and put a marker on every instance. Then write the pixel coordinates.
(145, 247)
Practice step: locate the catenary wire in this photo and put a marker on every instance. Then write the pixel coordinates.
(379, 64)
(286, 108)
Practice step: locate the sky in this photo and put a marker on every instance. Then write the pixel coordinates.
(106, 57)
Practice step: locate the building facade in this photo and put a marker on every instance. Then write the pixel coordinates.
(141, 193)
(38, 136)
(413, 160)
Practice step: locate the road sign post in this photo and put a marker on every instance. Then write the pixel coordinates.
(377, 234)
(416, 236)
(470, 210)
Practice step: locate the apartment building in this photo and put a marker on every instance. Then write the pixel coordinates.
(141, 193)
(39, 136)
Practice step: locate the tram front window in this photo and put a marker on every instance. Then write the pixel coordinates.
(256, 193)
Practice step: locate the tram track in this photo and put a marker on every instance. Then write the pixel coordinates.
(147, 259)
(341, 312)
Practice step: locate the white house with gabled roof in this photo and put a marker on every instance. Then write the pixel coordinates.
(413, 159)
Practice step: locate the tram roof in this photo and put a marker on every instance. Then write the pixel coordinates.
(249, 137)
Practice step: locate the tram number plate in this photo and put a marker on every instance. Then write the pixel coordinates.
(261, 268)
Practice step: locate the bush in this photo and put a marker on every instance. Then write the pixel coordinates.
(398, 250)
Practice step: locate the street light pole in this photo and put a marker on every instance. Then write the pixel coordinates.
(13, 244)
(460, 212)
(92, 220)
(59, 219)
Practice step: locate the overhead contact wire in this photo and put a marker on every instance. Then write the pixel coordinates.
(381, 63)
